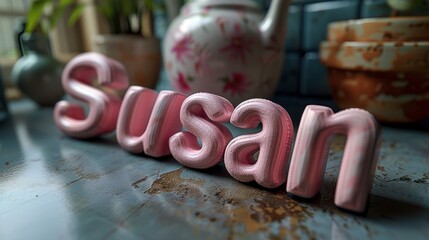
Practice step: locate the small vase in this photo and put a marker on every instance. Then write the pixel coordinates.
(38, 74)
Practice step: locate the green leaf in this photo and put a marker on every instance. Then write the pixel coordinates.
(35, 14)
(76, 13)
(45, 26)
(53, 19)
(149, 4)
(64, 3)
(128, 7)
(106, 9)
(160, 6)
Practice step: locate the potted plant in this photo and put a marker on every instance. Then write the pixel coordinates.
(381, 64)
(44, 14)
(131, 39)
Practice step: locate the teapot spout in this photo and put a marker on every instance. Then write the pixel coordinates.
(273, 27)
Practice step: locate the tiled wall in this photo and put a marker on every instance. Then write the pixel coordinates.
(303, 74)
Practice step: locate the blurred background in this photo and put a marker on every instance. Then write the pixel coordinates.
(306, 28)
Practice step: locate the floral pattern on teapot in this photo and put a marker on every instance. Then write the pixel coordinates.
(219, 49)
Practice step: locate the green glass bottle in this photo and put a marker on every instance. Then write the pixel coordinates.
(38, 74)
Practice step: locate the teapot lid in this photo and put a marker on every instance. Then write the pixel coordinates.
(215, 3)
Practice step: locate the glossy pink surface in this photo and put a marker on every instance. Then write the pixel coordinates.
(150, 122)
(309, 157)
(273, 143)
(78, 81)
(202, 114)
(147, 120)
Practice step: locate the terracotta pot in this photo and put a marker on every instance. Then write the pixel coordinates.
(376, 56)
(389, 77)
(140, 56)
(380, 29)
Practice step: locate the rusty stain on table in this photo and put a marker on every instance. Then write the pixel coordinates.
(246, 206)
(55, 187)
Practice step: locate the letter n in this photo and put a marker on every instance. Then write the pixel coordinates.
(356, 175)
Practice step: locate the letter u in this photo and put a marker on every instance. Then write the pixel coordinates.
(147, 120)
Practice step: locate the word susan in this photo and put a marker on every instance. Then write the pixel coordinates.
(151, 123)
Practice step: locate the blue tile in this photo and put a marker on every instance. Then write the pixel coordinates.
(314, 81)
(419, 11)
(289, 80)
(294, 26)
(380, 8)
(317, 16)
(375, 8)
(265, 4)
(160, 22)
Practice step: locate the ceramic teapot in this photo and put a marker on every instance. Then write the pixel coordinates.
(227, 48)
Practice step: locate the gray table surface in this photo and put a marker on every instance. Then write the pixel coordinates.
(56, 187)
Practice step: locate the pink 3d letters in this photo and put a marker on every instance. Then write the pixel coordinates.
(202, 115)
(147, 120)
(150, 122)
(309, 157)
(273, 143)
(103, 106)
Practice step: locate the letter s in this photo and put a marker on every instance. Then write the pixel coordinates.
(202, 114)
(77, 80)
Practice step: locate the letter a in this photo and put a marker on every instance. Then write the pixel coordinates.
(309, 157)
(273, 143)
